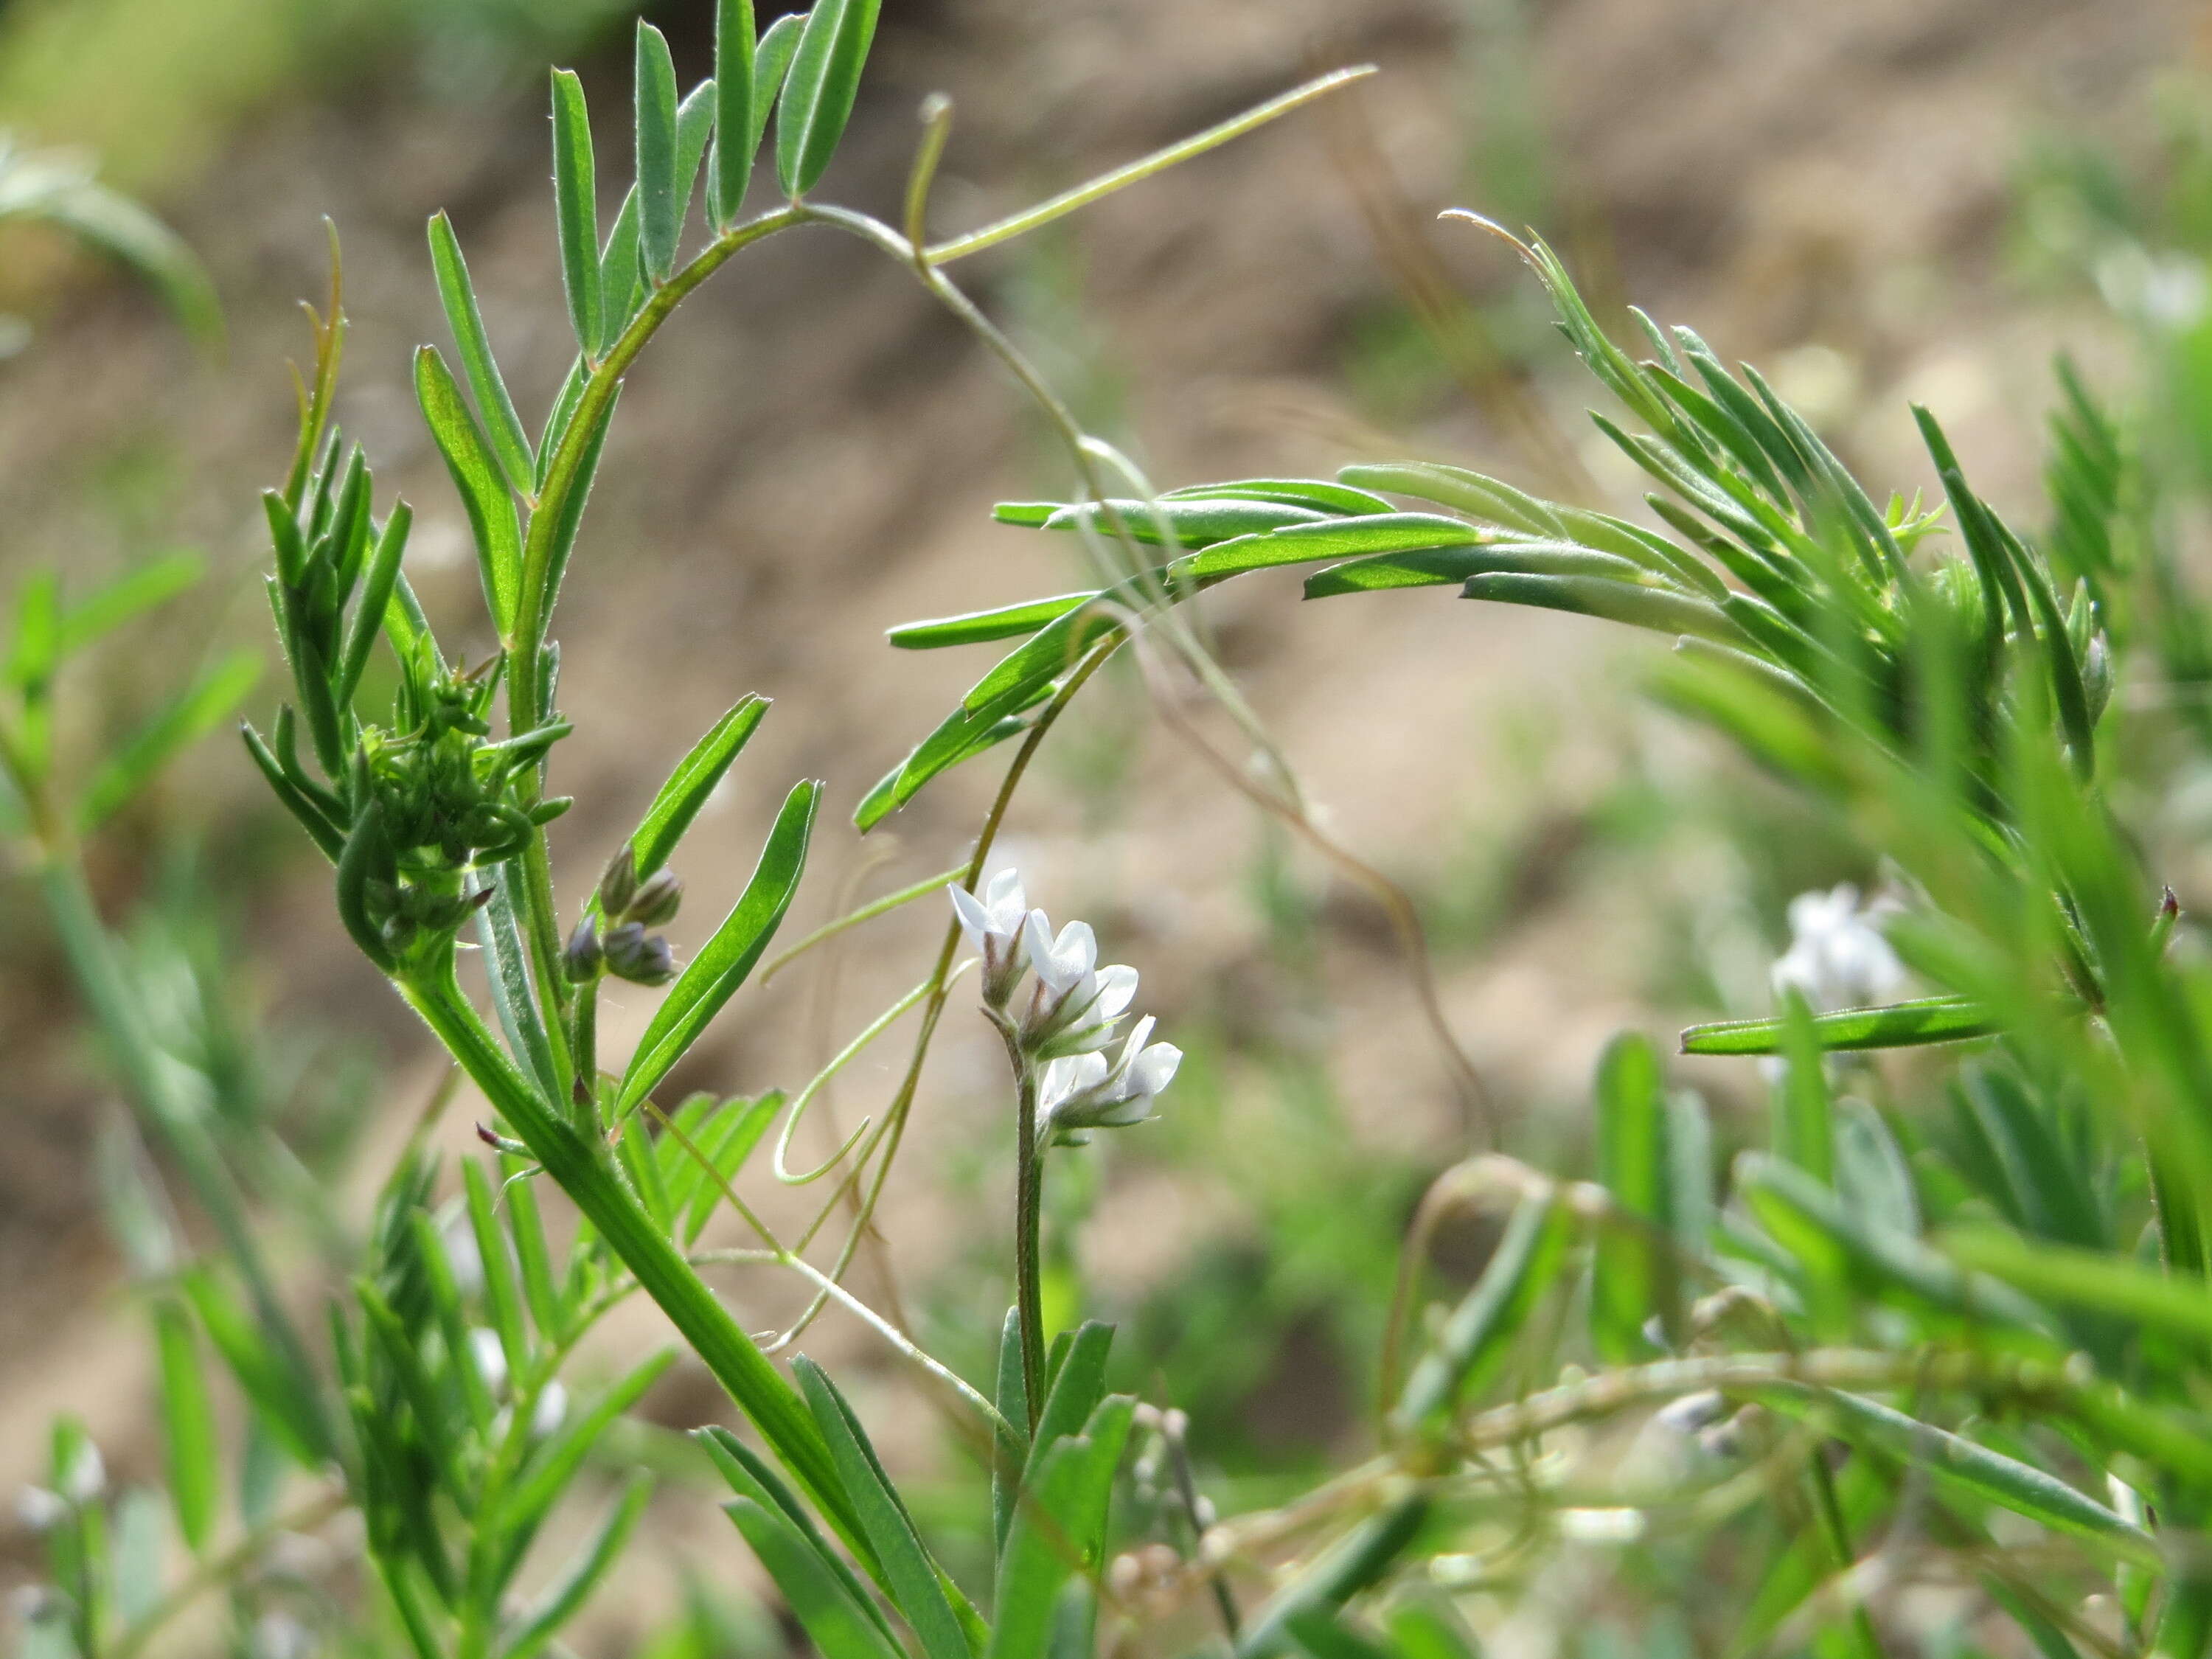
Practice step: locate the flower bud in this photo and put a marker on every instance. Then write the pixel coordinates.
(618, 885)
(657, 901)
(638, 957)
(39, 1510)
(581, 960)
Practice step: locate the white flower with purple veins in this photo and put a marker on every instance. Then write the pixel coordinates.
(1085, 1092)
(994, 925)
(1076, 1004)
(1837, 958)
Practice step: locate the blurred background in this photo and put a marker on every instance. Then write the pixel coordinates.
(1879, 201)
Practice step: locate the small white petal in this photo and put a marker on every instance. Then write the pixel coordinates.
(1156, 1067)
(974, 919)
(1002, 897)
(1037, 944)
(1117, 989)
(1062, 963)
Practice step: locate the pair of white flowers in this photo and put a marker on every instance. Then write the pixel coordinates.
(1069, 1015)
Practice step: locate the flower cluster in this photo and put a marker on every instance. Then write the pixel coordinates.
(628, 907)
(1837, 958)
(1069, 1016)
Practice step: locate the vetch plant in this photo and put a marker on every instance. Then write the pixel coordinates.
(1944, 1325)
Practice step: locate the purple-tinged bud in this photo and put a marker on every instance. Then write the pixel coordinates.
(618, 885)
(641, 957)
(657, 901)
(581, 960)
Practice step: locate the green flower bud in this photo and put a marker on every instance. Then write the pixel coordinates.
(658, 900)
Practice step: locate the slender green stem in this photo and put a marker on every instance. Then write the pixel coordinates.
(585, 1047)
(1029, 1219)
(1158, 161)
(533, 613)
(580, 1167)
(894, 1121)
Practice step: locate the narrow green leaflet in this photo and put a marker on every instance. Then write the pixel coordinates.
(1631, 1267)
(1329, 539)
(742, 1127)
(1471, 1347)
(35, 647)
(695, 130)
(1318, 494)
(502, 1295)
(1318, 1634)
(288, 1406)
(493, 520)
(209, 700)
(688, 786)
(1190, 523)
(575, 190)
(1620, 601)
(622, 289)
(555, 1463)
(660, 205)
(961, 736)
(772, 61)
(464, 317)
(818, 92)
(370, 614)
(1058, 1529)
(914, 1579)
(531, 1257)
(979, 627)
(513, 992)
(156, 582)
(2002, 1480)
(1448, 566)
(2096, 1281)
(194, 1465)
(570, 522)
(1078, 1384)
(733, 111)
(565, 1597)
(1010, 1444)
(716, 974)
(824, 1607)
(1808, 1219)
(1348, 1566)
(756, 1483)
(1899, 1025)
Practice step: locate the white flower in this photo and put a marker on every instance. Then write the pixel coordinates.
(1083, 1091)
(1076, 1004)
(1837, 958)
(552, 1406)
(87, 1475)
(489, 1355)
(994, 925)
